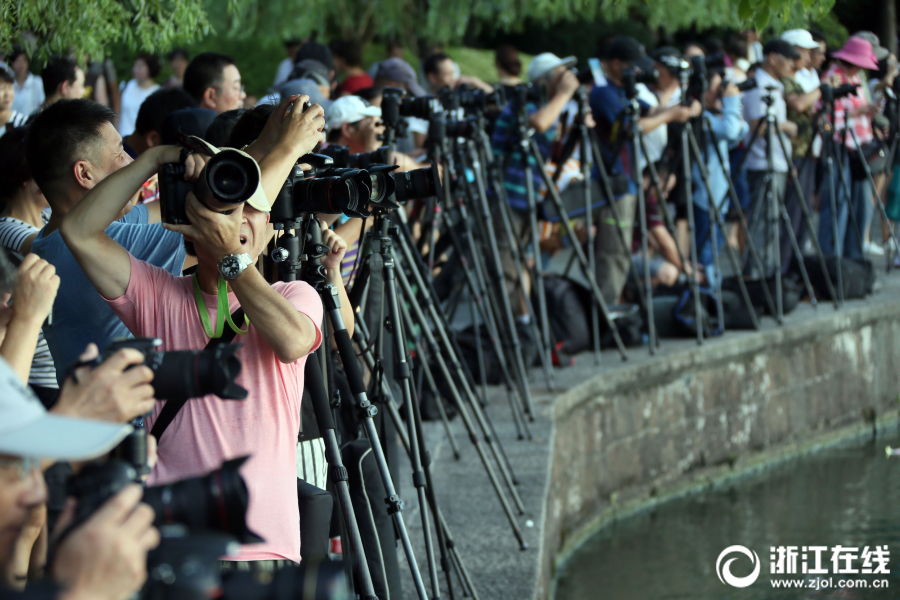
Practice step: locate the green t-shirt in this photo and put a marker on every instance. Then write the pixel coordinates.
(803, 120)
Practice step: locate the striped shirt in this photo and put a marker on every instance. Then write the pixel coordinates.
(12, 233)
(505, 144)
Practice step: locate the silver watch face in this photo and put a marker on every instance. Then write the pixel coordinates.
(231, 267)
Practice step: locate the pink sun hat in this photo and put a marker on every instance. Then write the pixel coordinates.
(858, 51)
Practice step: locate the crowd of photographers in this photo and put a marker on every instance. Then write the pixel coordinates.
(90, 257)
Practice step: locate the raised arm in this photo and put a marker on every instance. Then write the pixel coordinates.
(103, 260)
(288, 332)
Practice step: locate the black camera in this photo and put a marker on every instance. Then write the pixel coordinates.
(419, 184)
(394, 106)
(830, 94)
(746, 85)
(185, 566)
(362, 160)
(185, 374)
(524, 93)
(333, 190)
(229, 178)
(464, 128)
(478, 101)
(216, 501)
(631, 77)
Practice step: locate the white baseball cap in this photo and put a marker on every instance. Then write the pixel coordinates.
(542, 64)
(349, 109)
(27, 429)
(800, 38)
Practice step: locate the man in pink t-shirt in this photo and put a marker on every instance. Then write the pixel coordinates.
(283, 330)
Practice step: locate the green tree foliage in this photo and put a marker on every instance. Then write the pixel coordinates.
(91, 26)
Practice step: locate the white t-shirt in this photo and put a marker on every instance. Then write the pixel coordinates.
(29, 95)
(808, 79)
(132, 97)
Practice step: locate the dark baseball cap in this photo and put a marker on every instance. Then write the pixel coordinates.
(627, 49)
(316, 51)
(669, 56)
(189, 121)
(397, 69)
(780, 46)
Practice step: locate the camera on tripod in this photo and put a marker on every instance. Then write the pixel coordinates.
(229, 178)
(475, 100)
(830, 94)
(394, 105)
(744, 86)
(330, 190)
(524, 93)
(183, 374)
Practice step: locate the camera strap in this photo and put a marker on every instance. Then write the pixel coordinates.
(224, 336)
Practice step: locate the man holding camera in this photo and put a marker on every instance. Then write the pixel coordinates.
(608, 104)
(283, 328)
(554, 72)
(778, 57)
(103, 559)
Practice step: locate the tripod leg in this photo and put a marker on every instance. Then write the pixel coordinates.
(588, 225)
(692, 240)
(491, 319)
(871, 181)
(720, 222)
(553, 194)
(813, 235)
(470, 428)
(338, 474)
(645, 250)
(404, 376)
(500, 283)
(486, 426)
(538, 271)
(476, 286)
(367, 411)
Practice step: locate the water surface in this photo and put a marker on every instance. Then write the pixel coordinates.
(847, 496)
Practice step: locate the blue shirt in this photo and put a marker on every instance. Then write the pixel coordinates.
(607, 103)
(80, 314)
(505, 143)
(729, 128)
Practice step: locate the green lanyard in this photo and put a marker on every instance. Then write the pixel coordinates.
(222, 313)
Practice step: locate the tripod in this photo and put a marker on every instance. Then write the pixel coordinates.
(775, 209)
(290, 259)
(290, 249)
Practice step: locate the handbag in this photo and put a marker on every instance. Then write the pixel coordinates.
(875, 156)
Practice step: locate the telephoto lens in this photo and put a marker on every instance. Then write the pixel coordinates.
(418, 184)
(229, 178)
(216, 501)
(184, 374)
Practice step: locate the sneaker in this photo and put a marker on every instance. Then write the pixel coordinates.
(873, 249)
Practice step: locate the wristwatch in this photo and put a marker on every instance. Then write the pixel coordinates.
(233, 265)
